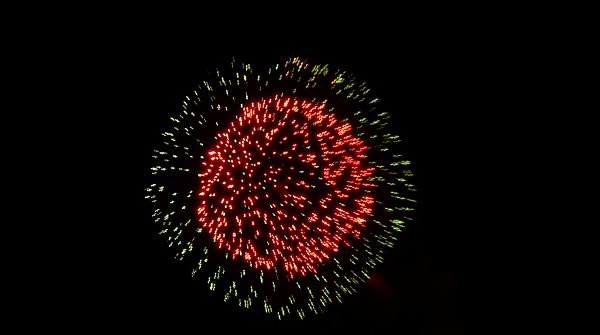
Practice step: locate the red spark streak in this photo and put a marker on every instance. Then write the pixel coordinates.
(285, 185)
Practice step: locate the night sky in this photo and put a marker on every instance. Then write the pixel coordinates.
(127, 279)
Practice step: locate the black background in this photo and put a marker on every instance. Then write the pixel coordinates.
(113, 272)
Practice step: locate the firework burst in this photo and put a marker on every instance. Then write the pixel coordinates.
(279, 187)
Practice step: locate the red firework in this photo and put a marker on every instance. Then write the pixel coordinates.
(285, 185)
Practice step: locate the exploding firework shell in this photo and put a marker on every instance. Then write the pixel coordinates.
(293, 246)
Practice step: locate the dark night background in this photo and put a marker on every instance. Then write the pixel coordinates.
(117, 275)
